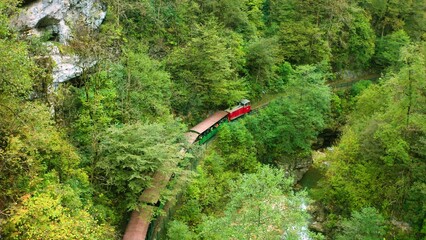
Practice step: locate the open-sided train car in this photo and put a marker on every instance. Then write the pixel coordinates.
(206, 129)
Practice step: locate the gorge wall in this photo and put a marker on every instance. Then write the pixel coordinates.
(59, 18)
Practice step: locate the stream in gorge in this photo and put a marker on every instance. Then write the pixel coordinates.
(309, 181)
(311, 178)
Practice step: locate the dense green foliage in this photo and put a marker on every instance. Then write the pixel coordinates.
(205, 70)
(131, 153)
(44, 192)
(143, 87)
(239, 148)
(261, 206)
(380, 158)
(56, 212)
(255, 205)
(286, 128)
(367, 224)
(74, 159)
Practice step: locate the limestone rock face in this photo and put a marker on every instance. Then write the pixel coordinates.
(59, 18)
(67, 67)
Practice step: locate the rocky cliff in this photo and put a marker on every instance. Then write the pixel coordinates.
(296, 167)
(59, 18)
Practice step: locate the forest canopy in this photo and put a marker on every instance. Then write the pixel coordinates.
(75, 156)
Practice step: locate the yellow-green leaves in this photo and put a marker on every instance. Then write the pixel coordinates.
(49, 214)
(205, 72)
(130, 154)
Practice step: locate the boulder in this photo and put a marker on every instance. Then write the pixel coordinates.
(317, 227)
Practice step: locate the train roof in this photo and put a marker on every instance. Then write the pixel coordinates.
(151, 194)
(244, 101)
(209, 122)
(240, 105)
(191, 137)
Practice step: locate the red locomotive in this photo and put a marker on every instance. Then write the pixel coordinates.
(242, 108)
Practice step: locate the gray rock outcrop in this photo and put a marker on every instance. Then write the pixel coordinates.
(67, 67)
(296, 167)
(59, 18)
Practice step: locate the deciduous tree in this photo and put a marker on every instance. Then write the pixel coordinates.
(261, 206)
(131, 153)
(55, 212)
(285, 128)
(143, 87)
(204, 72)
(367, 224)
